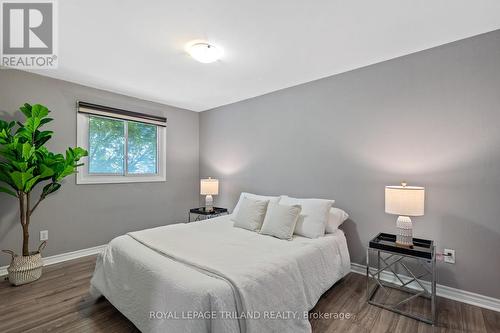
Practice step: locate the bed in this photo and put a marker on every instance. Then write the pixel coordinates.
(209, 276)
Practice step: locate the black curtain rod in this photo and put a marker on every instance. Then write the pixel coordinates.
(121, 111)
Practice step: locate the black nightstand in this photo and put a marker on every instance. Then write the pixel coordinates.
(390, 257)
(202, 211)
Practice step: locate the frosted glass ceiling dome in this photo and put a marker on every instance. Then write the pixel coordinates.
(205, 52)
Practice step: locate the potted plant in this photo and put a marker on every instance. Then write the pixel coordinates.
(25, 163)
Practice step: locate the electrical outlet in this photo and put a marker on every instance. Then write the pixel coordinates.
(44, 235)
(449, 256)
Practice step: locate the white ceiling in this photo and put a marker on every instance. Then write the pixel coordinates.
(137, 47)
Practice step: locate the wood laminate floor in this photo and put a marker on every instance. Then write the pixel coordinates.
(59, 302)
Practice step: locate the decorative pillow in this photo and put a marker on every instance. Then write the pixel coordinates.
(280, 220)
(336, 217)
(255, 197)
(313, 216)
(250, 214)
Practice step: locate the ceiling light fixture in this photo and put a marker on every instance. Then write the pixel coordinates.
(204, 52)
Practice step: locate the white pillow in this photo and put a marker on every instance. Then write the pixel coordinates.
(280, 220)
(255, 197)
(250, 214)
(313, 216)
(335, 219)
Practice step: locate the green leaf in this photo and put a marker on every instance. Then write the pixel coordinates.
(78, 153)
(24, 133)
(30, 183)
(39, 111)
(6, 166)
(26, 110)
(6, 190)
(32, 124)
(20, 166)
(8, 153)
(43, 141)
(5, 128)
(42, 134)
(31, 170)
(70, 156)
(68, 170)
(20, 179)
(5, 177)
(45, 121)
(17, 179)
(27, 151)
(42, 137)
(45, 171)
(5, 137)
(50, 188)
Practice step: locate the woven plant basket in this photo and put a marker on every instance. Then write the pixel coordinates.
(25, 269)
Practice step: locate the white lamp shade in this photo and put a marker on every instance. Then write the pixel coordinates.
(209, 186)
(404, 200)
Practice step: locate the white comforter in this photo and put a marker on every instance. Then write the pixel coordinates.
(210, 276)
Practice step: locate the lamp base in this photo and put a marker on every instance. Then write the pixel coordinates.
(209, 203)
(404, 236)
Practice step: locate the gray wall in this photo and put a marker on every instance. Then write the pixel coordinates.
(82, 216)
(431, 118)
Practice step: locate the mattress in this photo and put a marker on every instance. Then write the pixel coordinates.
(189, 277)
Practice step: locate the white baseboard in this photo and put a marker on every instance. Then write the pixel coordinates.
(443, 291)
(64, 257)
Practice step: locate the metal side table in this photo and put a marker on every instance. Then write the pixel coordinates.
(389, 257)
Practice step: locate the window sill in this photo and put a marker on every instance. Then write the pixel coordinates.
(83, 180)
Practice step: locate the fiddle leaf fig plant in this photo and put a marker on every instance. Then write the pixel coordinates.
(26, 163)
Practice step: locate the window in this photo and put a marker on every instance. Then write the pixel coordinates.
(114, 153)
(123, 146)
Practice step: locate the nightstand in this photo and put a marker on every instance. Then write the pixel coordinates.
(202, 211)
(414, 263)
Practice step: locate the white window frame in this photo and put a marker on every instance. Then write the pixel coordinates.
(84, 177)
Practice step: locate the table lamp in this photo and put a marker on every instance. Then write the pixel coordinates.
(209, 187)
(404, 201)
